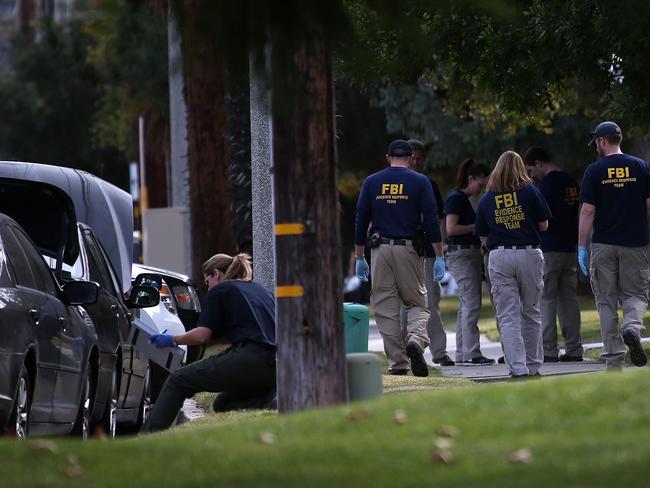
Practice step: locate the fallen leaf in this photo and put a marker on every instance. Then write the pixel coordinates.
(448, 431)
(72, 470)
(357, 415)
(266, 438)
(444, 443)
(521, 456)
(72, 458)
(399, 417)
(44, 446)
(442, 456)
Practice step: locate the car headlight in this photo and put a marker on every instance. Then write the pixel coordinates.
(167, 300)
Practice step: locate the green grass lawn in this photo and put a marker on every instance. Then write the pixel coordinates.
(584, 430)
(590, 326)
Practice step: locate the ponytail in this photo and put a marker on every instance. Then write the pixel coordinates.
(468, 168)
(240, 268)
(233, 268)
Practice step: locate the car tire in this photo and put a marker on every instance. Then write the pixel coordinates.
(87, 402)
(19, 418)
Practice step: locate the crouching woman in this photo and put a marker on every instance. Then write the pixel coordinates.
(240, 312)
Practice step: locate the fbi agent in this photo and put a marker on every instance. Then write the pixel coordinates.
(435, 328)
(615, 202)
(237, 311)
(559, 245)
(465, 260)
(396, 200)
(509, 218)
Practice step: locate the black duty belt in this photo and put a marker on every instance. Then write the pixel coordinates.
(458, 247)
(394, 242)
(529, 246)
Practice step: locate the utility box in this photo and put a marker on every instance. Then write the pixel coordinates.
(364, 376)
(356, 323)
(166, 239)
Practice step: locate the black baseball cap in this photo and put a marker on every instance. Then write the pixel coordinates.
(604, 129)
(399, 148)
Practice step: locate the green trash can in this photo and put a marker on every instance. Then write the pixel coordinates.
(355, 323)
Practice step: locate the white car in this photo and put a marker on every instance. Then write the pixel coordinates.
(164, 316)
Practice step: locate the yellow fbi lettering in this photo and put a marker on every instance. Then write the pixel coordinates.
(618, 172)
(508, 212)
(392, 192)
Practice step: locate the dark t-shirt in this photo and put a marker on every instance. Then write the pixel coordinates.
(618, 186)
(440, 204)
(458, 203)
(561, 193)
(240, 311)
(510, 219)
(396, 200)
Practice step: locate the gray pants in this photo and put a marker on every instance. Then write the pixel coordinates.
(559, 300)
(435, 328)
(244, 374)
(466, 266)
(517, 284)
(398, 278)
(619, 275)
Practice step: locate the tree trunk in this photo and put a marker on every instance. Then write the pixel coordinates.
(311, 358)
(210, 200)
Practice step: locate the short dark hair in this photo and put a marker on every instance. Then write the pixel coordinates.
(417, 145)
(614, 139)
(537, 153)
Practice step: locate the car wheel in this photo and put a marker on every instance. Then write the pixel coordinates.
(22, 406)
(82, 424)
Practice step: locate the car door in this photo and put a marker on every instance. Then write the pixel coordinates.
(71, 342)
(43, 321)
(132, 367)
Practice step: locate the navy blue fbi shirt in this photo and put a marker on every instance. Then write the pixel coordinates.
(240, 311)
(458, 203)
(510, 219)
(397, 200)
(618, 186)
(562, 195)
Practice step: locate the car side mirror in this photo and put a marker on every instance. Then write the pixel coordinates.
(80, 292)
(148, 279)
(143, 296)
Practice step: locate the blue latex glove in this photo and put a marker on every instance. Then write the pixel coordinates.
(162, 340)
(361, 269)
(439, 268)
(582, 259)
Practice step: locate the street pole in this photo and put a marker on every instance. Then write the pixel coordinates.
(262, 168)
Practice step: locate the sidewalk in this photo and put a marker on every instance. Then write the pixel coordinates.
(493, 350)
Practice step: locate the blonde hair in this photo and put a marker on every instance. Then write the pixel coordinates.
(509, 174)
(234, 268)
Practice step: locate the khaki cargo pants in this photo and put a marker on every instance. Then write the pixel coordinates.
(398, 277)
(517, 284)
(619, 275)
(435, 327)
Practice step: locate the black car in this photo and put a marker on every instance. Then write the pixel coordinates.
(48, 343)
(74, 252)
